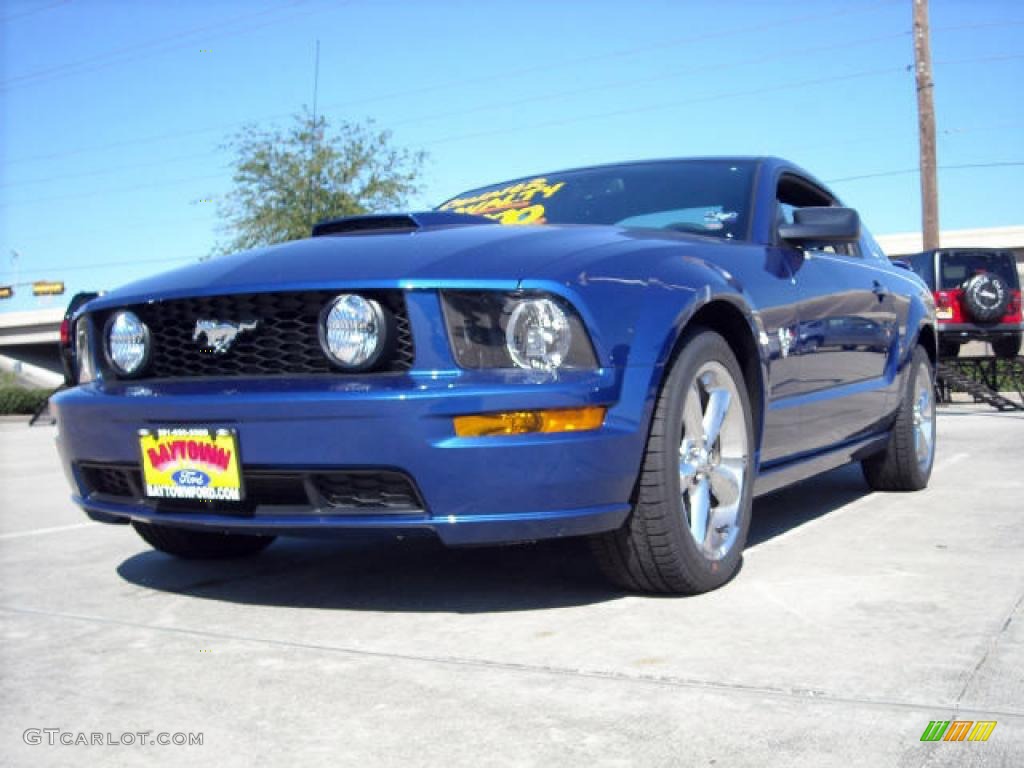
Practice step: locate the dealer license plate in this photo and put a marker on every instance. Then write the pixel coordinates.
(191, 463)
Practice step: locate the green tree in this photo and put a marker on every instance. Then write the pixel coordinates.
(287, 180)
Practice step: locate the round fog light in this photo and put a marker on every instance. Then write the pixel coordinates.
(127, 342)
(353, 331)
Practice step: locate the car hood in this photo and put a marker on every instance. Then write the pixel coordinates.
(478, 254)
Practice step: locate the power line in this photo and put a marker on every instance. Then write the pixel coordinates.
(904, 171)
(116, 223)
(280, 115)
(674, 42)
(101, 192)
(946, 132)
(665, 105)
(515, 129)
(908, 171)
(115, 169)
(145, 140)
(73, 67)
(83, 267)
(796, 85)
(686, 102)
(980, 25)
(980, 128)
(546, 97)
(489, 78)
(33, 11)
(789, 53)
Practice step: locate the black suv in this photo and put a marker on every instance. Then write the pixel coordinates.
(977, 297)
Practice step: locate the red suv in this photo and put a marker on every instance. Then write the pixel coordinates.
(977, 297)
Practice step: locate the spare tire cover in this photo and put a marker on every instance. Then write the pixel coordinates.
(986, 297)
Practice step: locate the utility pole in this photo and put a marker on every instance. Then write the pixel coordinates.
(926, 126)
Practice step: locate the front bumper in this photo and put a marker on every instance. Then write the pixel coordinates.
(474, 490)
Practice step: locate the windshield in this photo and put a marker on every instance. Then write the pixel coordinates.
(960, 266)
(707, 197)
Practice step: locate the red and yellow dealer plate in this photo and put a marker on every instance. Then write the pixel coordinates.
(191, 463)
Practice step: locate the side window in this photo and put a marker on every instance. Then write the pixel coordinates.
(794, 193)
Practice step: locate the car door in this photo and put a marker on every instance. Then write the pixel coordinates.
(776, 295)
(845, 337)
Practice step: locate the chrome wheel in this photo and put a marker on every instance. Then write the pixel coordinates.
(924, 418)
(713, 460)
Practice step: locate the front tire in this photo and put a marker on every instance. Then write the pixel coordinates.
(200, 545)
(693, 499)
(906, 463)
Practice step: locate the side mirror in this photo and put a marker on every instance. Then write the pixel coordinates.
(822, 225)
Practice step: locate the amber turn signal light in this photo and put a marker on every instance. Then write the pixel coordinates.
(525, 422)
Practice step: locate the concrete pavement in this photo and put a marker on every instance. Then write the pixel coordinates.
(857, 618)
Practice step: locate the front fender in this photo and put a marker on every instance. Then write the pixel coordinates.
(919, 328)
(636, 320)
(637, 304)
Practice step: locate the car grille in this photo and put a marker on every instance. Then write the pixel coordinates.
(112, 480)
(367, 490)
(286, 340)
(344, 491)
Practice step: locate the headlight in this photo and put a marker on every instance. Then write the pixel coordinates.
(353, 331)
(127, 343)
(85, 371)
(538, 335)
(540, 332)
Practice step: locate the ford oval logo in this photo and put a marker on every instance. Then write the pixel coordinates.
(191, 477)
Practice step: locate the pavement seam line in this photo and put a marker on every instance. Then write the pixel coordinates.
(992, 643)
(42, 531)
(610, 676)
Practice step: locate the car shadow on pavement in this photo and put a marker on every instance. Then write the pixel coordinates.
(374, 574)
(792, 507)
(363, 572)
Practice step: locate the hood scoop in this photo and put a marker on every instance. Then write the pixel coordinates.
(396, 222)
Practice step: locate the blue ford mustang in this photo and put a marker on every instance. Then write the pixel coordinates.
(646, 348)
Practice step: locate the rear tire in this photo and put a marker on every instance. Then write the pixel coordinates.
(948, 348)
(906, 463)
(1007, 346)
(693, 498)
(200, 545)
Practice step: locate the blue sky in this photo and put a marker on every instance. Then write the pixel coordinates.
(112, 114)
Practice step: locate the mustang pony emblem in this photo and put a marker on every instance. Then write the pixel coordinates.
(219, 336)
